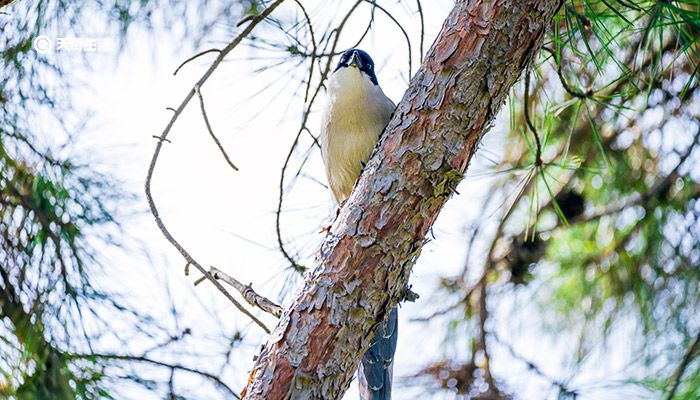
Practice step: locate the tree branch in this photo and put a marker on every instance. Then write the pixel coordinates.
(147, 360)
(163, 137)
(560, 385)
(364, 264)
(195, 57)
(689, 356)
(246, 291)
(211, 131)
(526, 101)
(557, 61)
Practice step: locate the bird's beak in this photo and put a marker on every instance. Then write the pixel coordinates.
(356, 60)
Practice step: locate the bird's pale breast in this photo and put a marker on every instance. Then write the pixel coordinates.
(356, 114)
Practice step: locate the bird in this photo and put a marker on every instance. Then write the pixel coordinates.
(356, 114)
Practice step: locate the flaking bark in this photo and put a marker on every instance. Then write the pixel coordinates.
(366, 259)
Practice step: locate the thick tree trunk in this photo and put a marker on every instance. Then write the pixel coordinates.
(367, 258)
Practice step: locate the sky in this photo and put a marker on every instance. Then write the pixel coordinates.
(226, 218)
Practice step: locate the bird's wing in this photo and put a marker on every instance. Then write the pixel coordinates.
(375, 373)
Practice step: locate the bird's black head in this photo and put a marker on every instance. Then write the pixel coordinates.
(360, 59)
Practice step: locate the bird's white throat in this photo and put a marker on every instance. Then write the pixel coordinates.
(347, 84)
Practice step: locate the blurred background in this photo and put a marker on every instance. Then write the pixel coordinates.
(567, 266)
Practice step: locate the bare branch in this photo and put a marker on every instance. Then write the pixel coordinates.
(689, 356)
(246, 291)
(173, 367)
(313, 51)
(422, 29)
(481, 340)
(563, 389)
(161, 139)
(194, 57)
(526, 101)
(403, 31)
(211, 131)
(557, 61)
(154, 159)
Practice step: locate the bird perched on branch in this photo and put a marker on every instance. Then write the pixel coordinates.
(356, 114)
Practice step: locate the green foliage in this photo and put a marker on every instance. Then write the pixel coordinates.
(613, 106)
(45, 211)
(637, 248)
(53, 209)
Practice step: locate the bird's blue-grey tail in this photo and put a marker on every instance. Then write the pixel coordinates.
(375, 371)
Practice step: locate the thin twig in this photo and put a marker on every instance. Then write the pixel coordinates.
(46, 156)
(481, 342)
(689, 356)
(313, 51)
(194, 57)
(531, 366)
(422, 29)
(278, 213)
(161, 139)
(403, 31)
(171, 384)
(147, 360)
(437, 313)
(629, 5)
(538, 153)
(154, 159)
(211, 131)
(245, 19)
(560, 73)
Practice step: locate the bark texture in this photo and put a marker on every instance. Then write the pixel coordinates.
(366, 259)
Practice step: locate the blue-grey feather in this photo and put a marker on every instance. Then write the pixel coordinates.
(376, 368)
